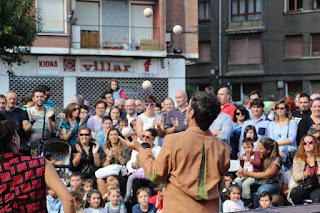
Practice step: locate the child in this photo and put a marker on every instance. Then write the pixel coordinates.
(122, 122)
(251, 162)
(158, 198)
(110, 183)
(133, 125)
(117, 92)
(143, 197)
(50, 158)
(84, 113)
(264, 200)
(101, 136)
(250, 132)
(88, 185)
(54, 204)
(114, 205)
(157, 109)
(234, 204)
(228, 179)
(76, 180)
(277, 200)
(95, 202)
(78, 201)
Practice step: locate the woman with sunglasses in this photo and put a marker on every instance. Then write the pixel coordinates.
(85, 154)
(134, 168)
(70, 126)
(149, 119)
(114, 153)
(240, 115)
(306, 165)
(284, 130)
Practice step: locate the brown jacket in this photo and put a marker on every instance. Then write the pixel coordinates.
(192, 163)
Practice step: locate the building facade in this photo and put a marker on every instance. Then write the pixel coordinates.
(272, 46)
(84, 44)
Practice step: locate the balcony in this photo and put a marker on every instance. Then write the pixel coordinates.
(117, 40)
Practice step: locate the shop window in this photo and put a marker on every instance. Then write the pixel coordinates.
(51, 13)
(242, 10)
(294, 88)
(294, 46)
(294, 5)
(315, 44)
(236, 92)
(248, 88)
(204, 10)
(245, 51)
(204, 51)
(316, 4)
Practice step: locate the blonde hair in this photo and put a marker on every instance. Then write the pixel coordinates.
(113, 189)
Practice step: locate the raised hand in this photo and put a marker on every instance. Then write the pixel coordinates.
(108, 152)
(32, 116)
(159, 122)
(71, 124)
(174, 122)
(95, 148)
(78, 148)
(81, 122)
(50, 112)
(134, 144)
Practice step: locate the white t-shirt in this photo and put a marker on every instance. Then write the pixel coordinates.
(233, 206)
(287, 178)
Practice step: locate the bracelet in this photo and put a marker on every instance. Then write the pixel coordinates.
(32, 122)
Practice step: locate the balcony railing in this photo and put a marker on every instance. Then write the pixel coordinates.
(116, 37)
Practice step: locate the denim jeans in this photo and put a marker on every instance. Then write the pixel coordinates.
(272, 188)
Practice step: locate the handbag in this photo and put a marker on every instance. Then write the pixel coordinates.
(263, 181)
(310, 183)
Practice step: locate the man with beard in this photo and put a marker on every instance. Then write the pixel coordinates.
(41, 119)
(304, 108)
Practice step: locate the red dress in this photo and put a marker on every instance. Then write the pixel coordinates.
(22, 187)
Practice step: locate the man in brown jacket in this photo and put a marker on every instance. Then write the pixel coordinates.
(192, 162)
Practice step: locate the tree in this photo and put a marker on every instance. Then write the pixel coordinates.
(18, 29)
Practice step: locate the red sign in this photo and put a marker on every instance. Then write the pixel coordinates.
(147, 65)
(69, 65)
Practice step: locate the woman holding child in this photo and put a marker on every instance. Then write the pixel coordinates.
(270, 166)
(306, 167)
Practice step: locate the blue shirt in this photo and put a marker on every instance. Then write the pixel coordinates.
(280, 133)
(136, 208)
(101, 138)
(74, 135)
(176, 113)
(54, 205)
(48, 104)
(262, 128)
(223, 123)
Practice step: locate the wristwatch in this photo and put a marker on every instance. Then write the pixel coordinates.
(32, 122)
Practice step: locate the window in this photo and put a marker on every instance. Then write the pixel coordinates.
(204, 10)
(52, 15)
(294, 5)
(316, 4)
(245, 51)
(294, 46)
(242, 10)
(315, 43)
(204, 51)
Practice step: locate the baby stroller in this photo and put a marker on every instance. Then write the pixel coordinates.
(61, 151)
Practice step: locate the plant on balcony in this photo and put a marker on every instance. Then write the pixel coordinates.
(18, 29)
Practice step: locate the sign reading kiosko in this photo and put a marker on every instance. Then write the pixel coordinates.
(105, 66)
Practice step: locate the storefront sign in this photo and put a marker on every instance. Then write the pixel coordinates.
(105, 66)
(69, 65)
(48, 65)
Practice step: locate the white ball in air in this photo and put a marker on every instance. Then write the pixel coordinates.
(177, 29)
(148, 12)
(146, 85)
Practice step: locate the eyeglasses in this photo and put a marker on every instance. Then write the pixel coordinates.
(75, 109)
(306, 142)
(84, 134)
(239, 113)
(100, 108)
(151, 104)
(147, 137)
(281, 108)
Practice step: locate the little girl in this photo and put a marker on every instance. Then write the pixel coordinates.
(143, 197)
(250, 132)
(117, 92)
(114, 205)
(234, 204)
(95, 201)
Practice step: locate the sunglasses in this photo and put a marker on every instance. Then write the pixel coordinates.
(84, 134)
(151, 104)
(306, 142)
(239, 113)
(75, 109)
(281, 108)
(147, 137)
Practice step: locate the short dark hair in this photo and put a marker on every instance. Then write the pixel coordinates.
(7, 131)
(206, 108)
(77, 174)
(153, 132)
(43, 88)
(243, 110)
(150, 99)
(82, 106)
(248, 140)
(4, 97)
(257, 102)
(254, 92)
(144, 189)
(122, 119)
(106, 118)
(304, 95)
(264, 194)
(103, 96)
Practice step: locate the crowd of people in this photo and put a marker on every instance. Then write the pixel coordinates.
(277, 149)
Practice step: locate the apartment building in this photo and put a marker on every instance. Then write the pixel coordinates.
(83, 44)
(272, 46)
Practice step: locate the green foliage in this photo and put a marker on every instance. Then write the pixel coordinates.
(18, 29)
(190, 91)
